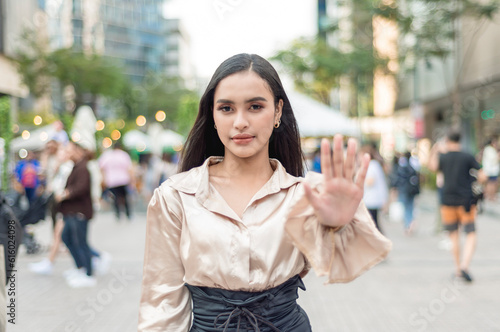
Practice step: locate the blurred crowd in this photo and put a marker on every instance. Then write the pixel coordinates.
(67, 182)
(120, 180)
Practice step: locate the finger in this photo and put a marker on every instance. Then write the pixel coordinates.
(360, 177)
(326, 156)
(350, 159)
(312, 197)
(338, 156)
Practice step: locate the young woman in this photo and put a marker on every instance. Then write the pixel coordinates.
(229, 238)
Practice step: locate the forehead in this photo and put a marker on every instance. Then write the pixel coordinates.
(245, 84)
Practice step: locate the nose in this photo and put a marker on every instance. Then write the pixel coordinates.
(240, 120)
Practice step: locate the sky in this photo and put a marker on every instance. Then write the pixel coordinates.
(219, 29)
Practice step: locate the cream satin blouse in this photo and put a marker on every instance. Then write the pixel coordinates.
(194, 237)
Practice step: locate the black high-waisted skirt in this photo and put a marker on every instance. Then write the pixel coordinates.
(275, 309)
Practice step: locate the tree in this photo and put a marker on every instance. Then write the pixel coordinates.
(160, 92)
(428, 29)
(90, 76)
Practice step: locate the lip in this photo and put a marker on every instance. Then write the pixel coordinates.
(242, 138)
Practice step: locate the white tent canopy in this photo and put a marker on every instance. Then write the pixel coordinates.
(154, 141)
(136, 139)
(319, 120)
(36, 140)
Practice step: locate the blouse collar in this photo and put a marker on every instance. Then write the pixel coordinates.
(196, 181)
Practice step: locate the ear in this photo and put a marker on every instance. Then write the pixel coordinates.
(278, 110)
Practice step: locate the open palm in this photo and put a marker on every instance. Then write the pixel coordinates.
(339, 197)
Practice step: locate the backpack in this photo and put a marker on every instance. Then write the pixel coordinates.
(29, 176)
(408, 180)
(414, 182)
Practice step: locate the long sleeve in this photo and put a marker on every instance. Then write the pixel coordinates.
(165, 301)
(342, 255)
(78, 184)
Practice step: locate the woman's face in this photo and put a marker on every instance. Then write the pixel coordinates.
(245, 114)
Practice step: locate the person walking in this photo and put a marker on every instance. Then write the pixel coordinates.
(27, 175)
(76, 208)
(116, 167)
(408, 186)
(491, 167)
(458, 209)
(240, 201)
(376, 192)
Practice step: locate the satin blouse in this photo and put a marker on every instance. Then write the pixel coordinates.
(194, 237)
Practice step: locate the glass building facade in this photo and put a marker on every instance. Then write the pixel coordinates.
(131, 31)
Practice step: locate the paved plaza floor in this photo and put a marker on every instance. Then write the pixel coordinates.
(413, 290)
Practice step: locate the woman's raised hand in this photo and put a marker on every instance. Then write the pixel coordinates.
(342, 190)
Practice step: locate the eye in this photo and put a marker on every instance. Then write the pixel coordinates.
(224, 109)
(256, 107)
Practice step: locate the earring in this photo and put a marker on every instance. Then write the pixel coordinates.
(276, 125)
(215, 126)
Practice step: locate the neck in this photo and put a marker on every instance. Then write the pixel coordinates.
(453, 146)
(247, 167)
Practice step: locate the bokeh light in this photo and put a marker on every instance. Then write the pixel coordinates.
(37, 120)
(23, 153)
(99, 125)
(26, 134)
(107, 142)
(44, 136)
(121, 124)
(140, 121)
(160, 116)
(15, 128)
(75, 136)
(141, 147)
(115, 135)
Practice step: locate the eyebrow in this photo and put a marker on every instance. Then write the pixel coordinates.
(227, 101)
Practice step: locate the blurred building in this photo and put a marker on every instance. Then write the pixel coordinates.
(422, 104)
(131, 31)
(134, 33)
(178, 60)
(12, 15)
(463, 90)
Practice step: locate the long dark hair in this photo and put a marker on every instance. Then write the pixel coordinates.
(203, 140)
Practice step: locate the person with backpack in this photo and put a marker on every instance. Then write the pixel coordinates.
(408, 186)
(27, 174)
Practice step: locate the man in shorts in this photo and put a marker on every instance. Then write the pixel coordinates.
(458, 209)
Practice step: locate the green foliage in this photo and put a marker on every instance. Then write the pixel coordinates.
(33, 65)
(92, 75)
(188, 110)
(317, 67)
(6, 134)
(157, 92)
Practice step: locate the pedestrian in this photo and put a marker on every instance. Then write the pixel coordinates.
(49, 164)
(116, 167)
(56, 186)
(230, 237)
(408, 186)
(491, 167)
(376, 192)
(458, 209)
(166, 167)
(27, 174)
(76, 208)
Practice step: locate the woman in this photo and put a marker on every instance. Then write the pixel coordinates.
(375, 190)
(237, 229)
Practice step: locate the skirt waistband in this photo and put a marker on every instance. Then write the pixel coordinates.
(217, 309)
